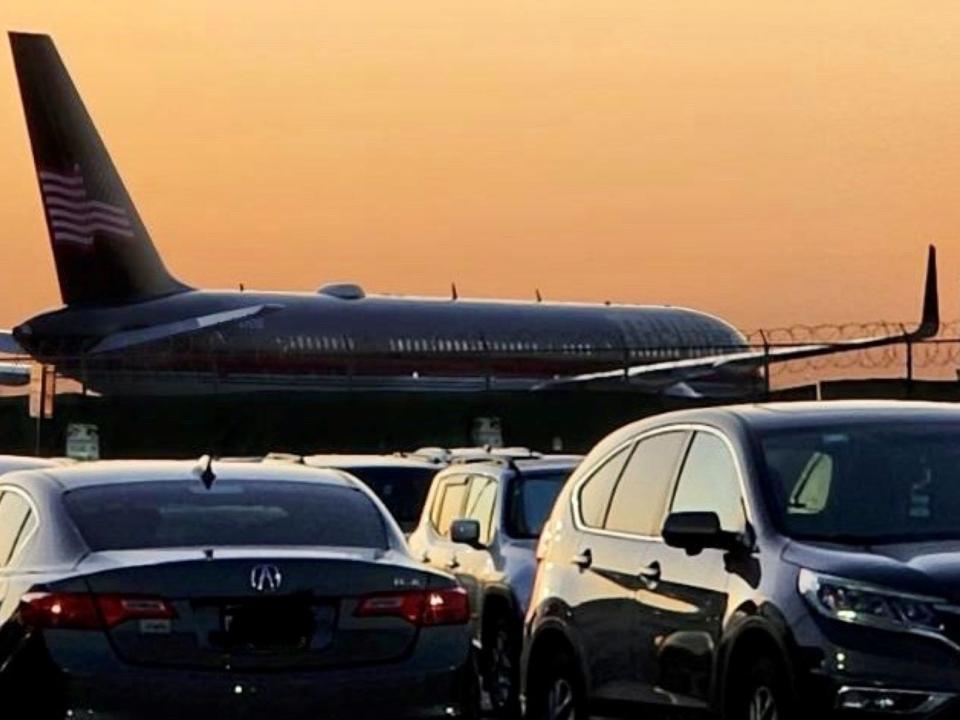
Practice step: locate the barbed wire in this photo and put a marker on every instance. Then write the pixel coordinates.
(941, 351)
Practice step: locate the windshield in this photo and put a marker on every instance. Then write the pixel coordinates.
(129, 516)
(530, 501)
(865, 483)
(402, 490)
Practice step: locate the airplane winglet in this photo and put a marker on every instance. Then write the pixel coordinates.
(930, 319)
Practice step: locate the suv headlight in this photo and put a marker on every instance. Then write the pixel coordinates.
(862, 604)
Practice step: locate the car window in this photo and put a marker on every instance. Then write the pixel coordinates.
(125, 516)
(530, 500)
(641, 494)
(596, 491)
(14, 511)
(866, 482)
(480, 502)
(403, 490)
(709, 482)
(450, 502)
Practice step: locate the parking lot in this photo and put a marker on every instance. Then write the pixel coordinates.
(747, 562)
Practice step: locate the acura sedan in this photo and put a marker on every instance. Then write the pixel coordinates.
(165, 589)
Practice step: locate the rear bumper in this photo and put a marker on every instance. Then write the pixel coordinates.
(380, 693)
(436, 681)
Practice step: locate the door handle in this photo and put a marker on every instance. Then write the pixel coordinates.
(650, 575)
(583, 560)
(453, 563)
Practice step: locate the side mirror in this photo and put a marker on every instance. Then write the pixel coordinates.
(696, 531)
(466, 532)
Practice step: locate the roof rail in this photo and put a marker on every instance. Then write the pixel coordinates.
(488, 460)
(283, 457)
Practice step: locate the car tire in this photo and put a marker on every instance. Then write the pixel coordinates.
(501, 668)
(470, 696)
(31, 689)
(556, 691)
(760, 691)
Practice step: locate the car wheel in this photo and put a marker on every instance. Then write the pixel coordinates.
(557, 691)
(760, 693)
(502, 678)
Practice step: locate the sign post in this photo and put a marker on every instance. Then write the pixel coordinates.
(43, 390)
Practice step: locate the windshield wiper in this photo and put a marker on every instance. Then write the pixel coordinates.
(842, 539)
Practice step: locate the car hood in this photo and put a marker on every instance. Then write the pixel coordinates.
(927, 568)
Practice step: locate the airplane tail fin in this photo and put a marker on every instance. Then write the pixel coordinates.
(102, 250)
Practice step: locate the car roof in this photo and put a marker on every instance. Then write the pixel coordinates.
(12, 463)
(106, 472)
(524, 466)
(830, 412)
(803, 414)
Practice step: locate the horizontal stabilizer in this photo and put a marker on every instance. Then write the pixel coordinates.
(130, 338)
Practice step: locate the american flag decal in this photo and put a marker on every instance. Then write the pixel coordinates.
(74, 218)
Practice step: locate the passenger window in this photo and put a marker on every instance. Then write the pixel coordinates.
(13, 513)
(709, 483)
(452, 496)
(641, 495)
(596, 491)
(483, 495)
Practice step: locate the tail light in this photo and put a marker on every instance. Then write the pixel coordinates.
(83, 611)
(422, 608)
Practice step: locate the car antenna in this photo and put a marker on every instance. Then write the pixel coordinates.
(453, 291)
(205, 469)
(539, 296)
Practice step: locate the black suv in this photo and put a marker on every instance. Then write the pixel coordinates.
(757, 562)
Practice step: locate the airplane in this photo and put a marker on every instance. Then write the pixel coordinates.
(128, 325)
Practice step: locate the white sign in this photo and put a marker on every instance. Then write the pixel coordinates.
(83, 442)
(486, 431)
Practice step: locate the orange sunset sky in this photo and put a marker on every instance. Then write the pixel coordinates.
(772, 162)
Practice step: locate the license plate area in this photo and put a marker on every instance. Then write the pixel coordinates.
(273, 626)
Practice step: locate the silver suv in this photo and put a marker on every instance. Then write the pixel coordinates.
(481, 521)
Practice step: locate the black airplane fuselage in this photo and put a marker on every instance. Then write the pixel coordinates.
(332, 341)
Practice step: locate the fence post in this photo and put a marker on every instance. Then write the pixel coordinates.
(766, 365)
(909, 344)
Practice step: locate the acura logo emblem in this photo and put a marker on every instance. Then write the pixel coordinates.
(266, 578)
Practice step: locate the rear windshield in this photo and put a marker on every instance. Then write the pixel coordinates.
(128, 516)
(402, 490)
(530, 501)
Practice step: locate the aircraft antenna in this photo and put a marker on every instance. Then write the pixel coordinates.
(204, 469)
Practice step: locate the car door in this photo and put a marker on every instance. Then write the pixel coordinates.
(16, 523)
(688, 604)
(474, 566)
(637, 506)
(449, 503)
(600, 591)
